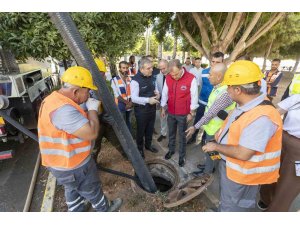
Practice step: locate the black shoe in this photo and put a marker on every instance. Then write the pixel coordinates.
(181, 162)
(115, 205)
(142, 154)
(198, 173)
(152, 149)
(191, 141)
(262, 206)
(200, 166)
(169, 155)
(160, 138)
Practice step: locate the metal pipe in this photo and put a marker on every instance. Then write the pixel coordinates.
(83, 56)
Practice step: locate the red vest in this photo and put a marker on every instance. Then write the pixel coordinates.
(179, 94)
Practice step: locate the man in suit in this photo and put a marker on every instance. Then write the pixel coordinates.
(160, 81)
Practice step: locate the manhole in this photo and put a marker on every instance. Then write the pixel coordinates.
(164, 175)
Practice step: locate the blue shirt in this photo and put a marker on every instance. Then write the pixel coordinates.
(206, 87)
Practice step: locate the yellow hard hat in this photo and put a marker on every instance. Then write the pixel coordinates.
(101, 65)
(78, 76)
(242, 72)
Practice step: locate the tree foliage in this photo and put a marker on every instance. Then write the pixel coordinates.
(34, 35)
(231, 33)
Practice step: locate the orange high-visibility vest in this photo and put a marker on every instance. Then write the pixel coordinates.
(58, 148)
(261, 168)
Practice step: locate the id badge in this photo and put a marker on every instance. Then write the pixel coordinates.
(297, 168)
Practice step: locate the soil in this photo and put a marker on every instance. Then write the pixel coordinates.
(119, 187)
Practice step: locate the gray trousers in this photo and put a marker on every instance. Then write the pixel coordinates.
(235, 197)
(164, 125)
(82, 184)
(174, 122)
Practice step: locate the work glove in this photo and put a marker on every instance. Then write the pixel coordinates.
(92, 104)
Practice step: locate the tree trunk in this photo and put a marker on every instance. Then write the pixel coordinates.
(65, 64)
(296, 65)
(267, 55)
(160, 51)
(174, 48)
(183, 56)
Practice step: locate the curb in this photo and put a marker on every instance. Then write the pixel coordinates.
(48, 199)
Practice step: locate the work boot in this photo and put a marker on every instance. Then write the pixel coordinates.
(169, 155)
(161, 137)
(115, 205)
(152, 149)
(191, 141)
(200, 166)
(181, 162)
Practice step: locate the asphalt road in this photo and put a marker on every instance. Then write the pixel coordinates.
(16, 174)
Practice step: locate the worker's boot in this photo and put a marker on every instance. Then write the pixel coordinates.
(115, 205)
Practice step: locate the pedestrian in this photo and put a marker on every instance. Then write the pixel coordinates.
(218, 106)
(187, 64)
(180, 93)
(160, 81)
(273, 78)
(249, 141)
(66, 133)
(206, 89)
(279, 196)
(121, 88)
(145, 97)
(132, 66)
(197, 72)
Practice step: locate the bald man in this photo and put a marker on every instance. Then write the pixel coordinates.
(218, 106)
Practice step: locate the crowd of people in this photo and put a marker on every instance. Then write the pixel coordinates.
(244, 136)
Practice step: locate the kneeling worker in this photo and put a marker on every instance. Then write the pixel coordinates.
(249, 141)
(66, 133)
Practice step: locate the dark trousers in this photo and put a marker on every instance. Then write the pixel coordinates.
(199, 115)
(210, 164)
(145, 119)
(127, 117)
(288, 185)
(174, 122)
(82, 184)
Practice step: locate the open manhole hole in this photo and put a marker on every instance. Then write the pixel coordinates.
(164, 175)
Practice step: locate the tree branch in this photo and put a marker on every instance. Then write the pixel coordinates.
(240, 45)
(189, 37)
(206, 44)
(226, 26)
(211, 28)
(265, 28)
(232, 31)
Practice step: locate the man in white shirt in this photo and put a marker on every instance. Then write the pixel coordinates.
(197, 72)
(180, 94)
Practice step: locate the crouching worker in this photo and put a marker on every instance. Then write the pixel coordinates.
(66, 133)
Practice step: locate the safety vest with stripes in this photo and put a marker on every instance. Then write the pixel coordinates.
(124, 91)
(295, 85)
(59, 148)
(215, 123)
(261, 168)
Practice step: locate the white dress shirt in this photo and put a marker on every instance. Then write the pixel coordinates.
(292, 121)
(135, 89)
(193, 90)
(198, 74)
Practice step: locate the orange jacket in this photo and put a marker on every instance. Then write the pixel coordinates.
(58, 148)
(262, 168)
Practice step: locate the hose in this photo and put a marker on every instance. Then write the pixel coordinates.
(71, 36)
(118, 173)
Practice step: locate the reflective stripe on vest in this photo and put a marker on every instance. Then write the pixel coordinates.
(58, 148)
(261, 168)
(295, 85)
(215, 123)
(68, 155)
(124, 90)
